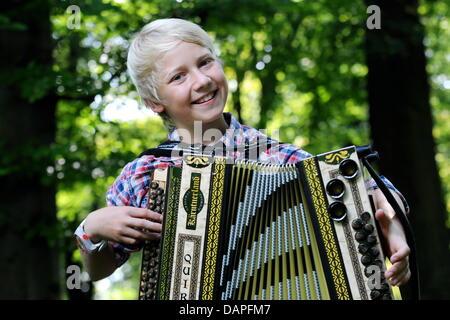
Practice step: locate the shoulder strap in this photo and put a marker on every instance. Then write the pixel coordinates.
(165, 149)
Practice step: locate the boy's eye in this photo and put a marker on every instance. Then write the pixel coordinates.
(176, 77)
(206, 62)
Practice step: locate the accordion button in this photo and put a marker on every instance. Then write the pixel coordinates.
(357, 224)
(360, 236)
(338, 211)
(366, 259)
(152, 206)
(368, 228)
(379, 264)
(363, 248)
(372, 239)
(154, 185)
(365, 216)
(153, 195)
(348, 168)
(375, 294)
(147, 256)
(374, 252)
(384, 287)
(335, 188)
(160, 191)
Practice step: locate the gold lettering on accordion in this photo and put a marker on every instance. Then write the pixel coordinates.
(193, 201)
(326, 230)
(187, 267)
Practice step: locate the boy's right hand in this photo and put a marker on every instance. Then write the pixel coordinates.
(127, 225)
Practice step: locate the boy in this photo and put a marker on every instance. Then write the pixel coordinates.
(175, 69)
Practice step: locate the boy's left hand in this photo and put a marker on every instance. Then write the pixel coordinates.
(398, 250)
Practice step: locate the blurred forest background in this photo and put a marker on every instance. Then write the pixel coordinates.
(70, 118)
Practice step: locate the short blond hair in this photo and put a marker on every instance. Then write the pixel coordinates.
(155, 39)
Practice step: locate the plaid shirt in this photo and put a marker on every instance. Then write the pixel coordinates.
(132, 185)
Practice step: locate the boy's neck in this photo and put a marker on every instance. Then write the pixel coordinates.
(204, 133)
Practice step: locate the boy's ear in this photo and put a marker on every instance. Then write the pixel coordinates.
(155, 107)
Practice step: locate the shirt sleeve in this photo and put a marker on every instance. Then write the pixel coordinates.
(371, 185)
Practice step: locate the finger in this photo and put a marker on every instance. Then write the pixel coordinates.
(145, 214)
(139, 212)
(401, 254)
(405, 279)
(402, 279)
(382, 218)
(128, 240)
(397, 271)
(382, 203)
(155, 216)
(401, 273)
(145, 224)
(153, 235)
(137, 234)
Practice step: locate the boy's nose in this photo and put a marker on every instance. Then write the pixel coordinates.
(201, 81)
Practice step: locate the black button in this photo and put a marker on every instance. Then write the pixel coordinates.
(372, 239)
(368, 228)
(365, 216)
(375, 294)
(366, 259)
(348, 168)
(338, 211)
(384, 287)
(360, 236)
(374, 252)
(335, 188)
(154, 185)
(363, 248)
(379, 264)
(357, 223)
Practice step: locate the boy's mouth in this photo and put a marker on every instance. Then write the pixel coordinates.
(205, 99)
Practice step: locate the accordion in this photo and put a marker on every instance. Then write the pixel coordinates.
(258, 231)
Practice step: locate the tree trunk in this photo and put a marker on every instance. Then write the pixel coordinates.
(401, 124)
(29, 264)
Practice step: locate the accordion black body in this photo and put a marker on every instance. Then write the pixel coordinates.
(247, 230)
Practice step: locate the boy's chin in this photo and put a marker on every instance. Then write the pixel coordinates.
(209, 115)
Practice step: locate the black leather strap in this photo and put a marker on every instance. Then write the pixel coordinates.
(175, 148)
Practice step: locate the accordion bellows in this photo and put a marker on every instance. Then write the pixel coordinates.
(258, 231)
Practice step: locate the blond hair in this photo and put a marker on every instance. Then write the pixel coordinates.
(147, 47)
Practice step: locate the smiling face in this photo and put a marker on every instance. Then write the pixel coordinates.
(192, 87)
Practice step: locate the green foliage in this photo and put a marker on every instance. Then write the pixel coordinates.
(435, 17)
